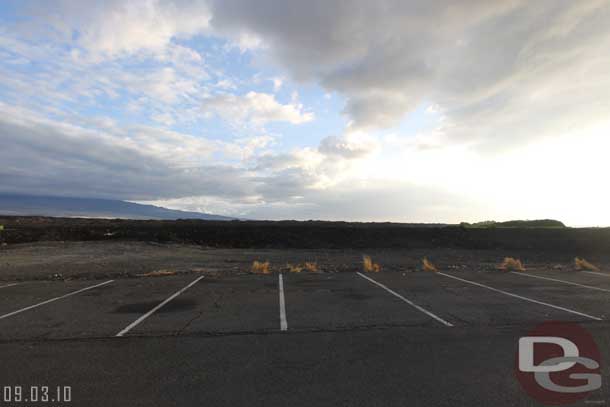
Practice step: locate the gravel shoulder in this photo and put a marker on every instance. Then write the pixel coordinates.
(129, 259)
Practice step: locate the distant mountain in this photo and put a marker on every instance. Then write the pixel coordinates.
(23, 205)
(536, 223)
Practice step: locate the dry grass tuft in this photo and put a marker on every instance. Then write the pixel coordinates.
(510, 264)
(427, 266)
(311, 266)
(296, 268)
(582, 264)
(158, 273)
(259, 267)
(369, 266)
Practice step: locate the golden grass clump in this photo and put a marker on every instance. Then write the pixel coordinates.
(259, 267)
(582, 264)
(510, 264)
(294, 268)
(311, 266)
(158, 273)
(427, 266)
(369, 266)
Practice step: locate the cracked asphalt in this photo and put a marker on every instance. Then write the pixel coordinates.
(349, 342)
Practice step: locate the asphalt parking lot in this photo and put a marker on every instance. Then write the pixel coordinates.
(301, 339)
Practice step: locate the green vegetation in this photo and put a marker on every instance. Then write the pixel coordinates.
(1, 228)
(538, 223)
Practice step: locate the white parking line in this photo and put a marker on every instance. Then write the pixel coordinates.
(411, 303)
(521, 297)
(155, 309)
(590, 287)
(8, 285)
(596, 273)
(54, 299)
(283, 321)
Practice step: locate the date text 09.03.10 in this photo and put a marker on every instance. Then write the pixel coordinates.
(36, 394)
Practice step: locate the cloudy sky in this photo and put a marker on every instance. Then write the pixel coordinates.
(386, 110)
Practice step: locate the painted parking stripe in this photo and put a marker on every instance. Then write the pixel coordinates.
(411, 303)
(54, 299)
(8, 285)
(521, 297)
(283, 321)
(156, 308)
(596, 273)
(590, 287)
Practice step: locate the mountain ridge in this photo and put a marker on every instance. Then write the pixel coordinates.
(34, 205)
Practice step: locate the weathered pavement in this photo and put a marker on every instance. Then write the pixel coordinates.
(405, 339)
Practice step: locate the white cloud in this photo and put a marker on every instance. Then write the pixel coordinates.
(225, 84)
(502, 71)
(166, 87)
(116, 27)
(255, 109)
(103, 159)
(349, 146)
(277, 83)
(495, 74)
(44, 156)
(496, 68)
(245, 148)
(350, 201)
(100, 158)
